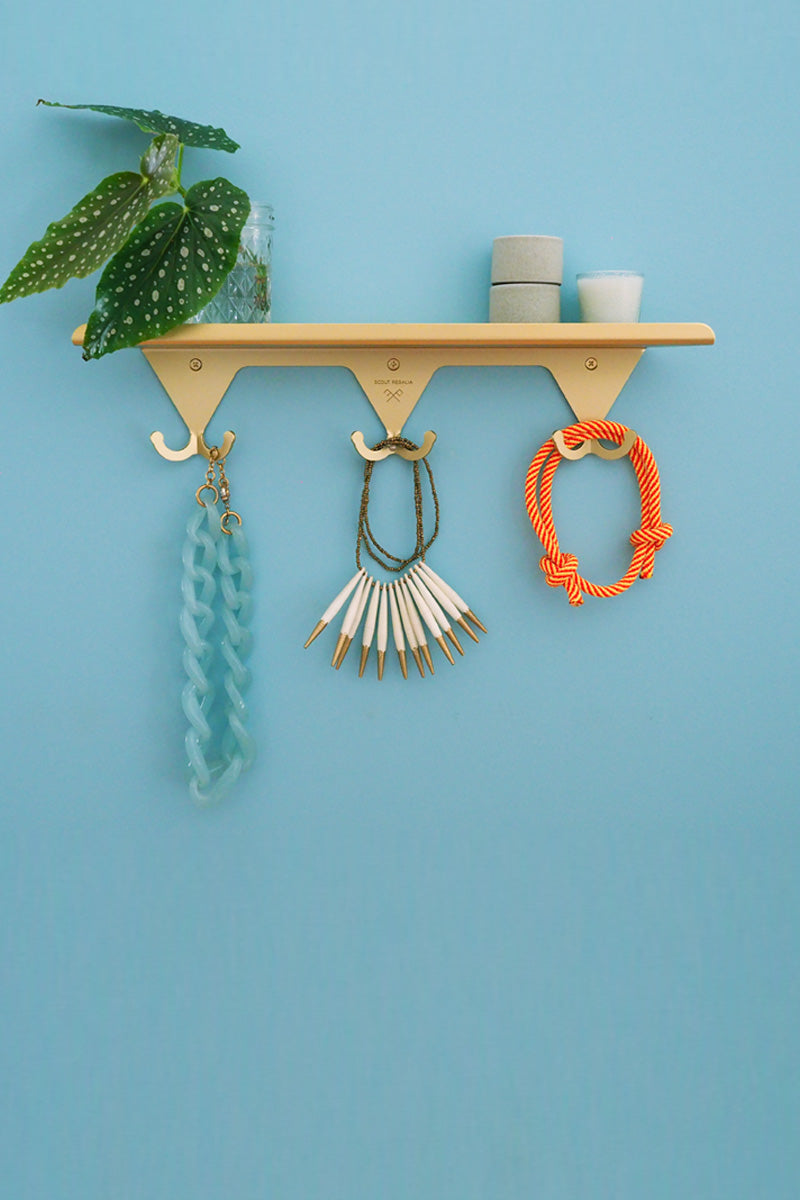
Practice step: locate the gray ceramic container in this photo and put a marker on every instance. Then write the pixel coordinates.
(528, 259)
(525, 302)
(527, 270)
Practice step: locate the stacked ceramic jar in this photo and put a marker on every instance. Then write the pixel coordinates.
(526, 278)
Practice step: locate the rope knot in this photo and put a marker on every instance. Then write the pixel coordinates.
(649, 539)
(561, 570)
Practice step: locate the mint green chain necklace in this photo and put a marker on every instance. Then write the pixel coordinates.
(214, 621)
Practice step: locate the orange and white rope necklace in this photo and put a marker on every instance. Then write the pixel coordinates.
(560, 569)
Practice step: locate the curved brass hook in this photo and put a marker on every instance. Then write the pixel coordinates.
(593, 446)
(195, 445)
(363, 449)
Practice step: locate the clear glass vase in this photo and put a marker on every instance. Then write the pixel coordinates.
(246, 295)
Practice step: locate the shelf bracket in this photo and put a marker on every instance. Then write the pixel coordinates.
(393, 364)
(195, 385)
(591, 382)
(393, 385)
(197, 380)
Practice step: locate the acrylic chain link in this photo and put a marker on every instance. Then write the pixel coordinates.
(216, 585)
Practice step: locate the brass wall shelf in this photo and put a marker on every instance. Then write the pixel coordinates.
(394, 363)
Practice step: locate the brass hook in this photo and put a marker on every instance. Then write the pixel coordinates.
(593, 446)
(195, 445)
(363, 449)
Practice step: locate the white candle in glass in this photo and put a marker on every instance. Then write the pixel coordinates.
(610, 295)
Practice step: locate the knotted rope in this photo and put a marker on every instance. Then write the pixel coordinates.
(214, 622)
(560, 569)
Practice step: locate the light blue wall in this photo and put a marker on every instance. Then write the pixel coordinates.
(528, 929)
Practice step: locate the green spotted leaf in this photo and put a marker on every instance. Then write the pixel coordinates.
(97, 226)
(173, 263)
(153, 121)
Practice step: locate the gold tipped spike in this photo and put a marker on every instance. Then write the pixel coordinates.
(318, 628)
(445, 649)
(469, 613)
(427, 655)
(467, 629)
(348, 641)
(418, 660)
(339, 643)
(381, 661)
(401, 654)
(363, 663)
(449, 633)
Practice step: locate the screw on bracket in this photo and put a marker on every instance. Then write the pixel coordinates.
(591, 364)
(393, 364)
(196, 364)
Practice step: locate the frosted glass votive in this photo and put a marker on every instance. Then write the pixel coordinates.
(610, 295)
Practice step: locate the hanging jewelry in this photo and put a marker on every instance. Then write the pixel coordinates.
(419, 600)
(561, 569)
(214, 620)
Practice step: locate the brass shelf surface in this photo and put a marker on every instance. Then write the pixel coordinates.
(394, 362)
(483, 335)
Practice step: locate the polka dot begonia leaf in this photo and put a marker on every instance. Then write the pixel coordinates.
(173, 263)
(97, 226)
(153, 121)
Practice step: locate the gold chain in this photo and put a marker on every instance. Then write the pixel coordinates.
(216, 470)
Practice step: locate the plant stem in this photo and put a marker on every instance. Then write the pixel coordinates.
(182, 190)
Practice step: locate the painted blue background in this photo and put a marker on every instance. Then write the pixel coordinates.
(528, 929)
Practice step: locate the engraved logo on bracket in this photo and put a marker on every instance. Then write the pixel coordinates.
(393, 384)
